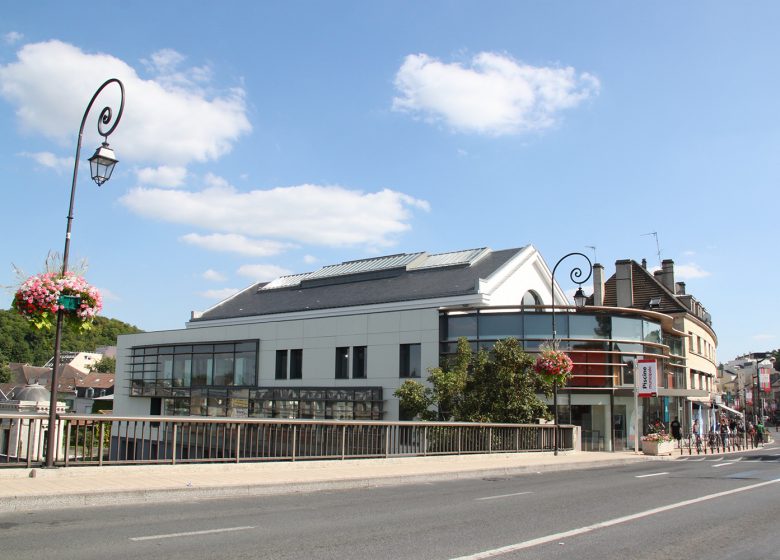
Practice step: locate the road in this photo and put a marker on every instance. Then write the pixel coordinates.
(713, 507)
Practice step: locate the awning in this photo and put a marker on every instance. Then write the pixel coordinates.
(738, 413)
(701, 401)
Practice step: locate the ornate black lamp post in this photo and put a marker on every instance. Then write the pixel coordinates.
(101, 166)
(576, 276)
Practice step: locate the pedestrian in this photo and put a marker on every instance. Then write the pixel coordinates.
(724, 432)
(760, 433)
(676, 430)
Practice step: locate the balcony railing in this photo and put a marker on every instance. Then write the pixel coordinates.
(105, 440)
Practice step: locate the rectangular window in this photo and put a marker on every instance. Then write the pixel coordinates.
(281, 364)
(359, 362)
(410, 361)
(223, 369)
(245, 369)
(296, 364)
(342, 362)
(202, 369)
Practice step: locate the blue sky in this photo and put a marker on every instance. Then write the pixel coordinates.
(264, 138)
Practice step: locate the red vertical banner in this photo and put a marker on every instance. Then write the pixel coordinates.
(763, 379)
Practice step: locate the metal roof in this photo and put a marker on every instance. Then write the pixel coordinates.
(405, 261)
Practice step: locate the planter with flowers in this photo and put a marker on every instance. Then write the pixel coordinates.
(40, 297)
(554, 366)
(658, 443)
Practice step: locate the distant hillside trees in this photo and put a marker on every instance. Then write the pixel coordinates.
(21, 342)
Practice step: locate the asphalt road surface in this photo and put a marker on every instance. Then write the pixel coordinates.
(713, 507)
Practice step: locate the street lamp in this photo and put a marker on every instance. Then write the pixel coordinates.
(576, 276)
(101, 166)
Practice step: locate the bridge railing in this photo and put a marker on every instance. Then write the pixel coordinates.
(104, 440)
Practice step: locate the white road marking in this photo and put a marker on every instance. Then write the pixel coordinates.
(609, 523)
(653, 474)
(722, 464)
(504, 496)
(190, 533)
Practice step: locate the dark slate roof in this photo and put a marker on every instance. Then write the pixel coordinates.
(365, 288)
(645, 287)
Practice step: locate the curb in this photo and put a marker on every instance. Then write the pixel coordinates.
(26, 503)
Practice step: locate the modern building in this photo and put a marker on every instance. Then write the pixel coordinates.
(333, 343)
(336, 343)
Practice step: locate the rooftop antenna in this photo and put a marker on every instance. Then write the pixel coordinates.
(657, 246)
(594, 252)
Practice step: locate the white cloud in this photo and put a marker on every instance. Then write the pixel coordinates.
(167, 120)
(319, 215)
(48, 159)
(213, 276)
(233, 243)
(495, 95)
(310, 259)
(263, 272)
(162, 176)
(689, 271)
(12, 37)
(219, 295)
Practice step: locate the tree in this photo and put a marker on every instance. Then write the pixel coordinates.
(21, 342)
(5, 371)
(496, 386)
(106, 364)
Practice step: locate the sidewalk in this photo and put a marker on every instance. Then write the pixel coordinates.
(31, 489)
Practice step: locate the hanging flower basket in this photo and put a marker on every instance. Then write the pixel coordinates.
(554, 365)
(40, 297)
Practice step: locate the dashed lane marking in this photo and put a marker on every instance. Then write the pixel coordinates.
(190, 533)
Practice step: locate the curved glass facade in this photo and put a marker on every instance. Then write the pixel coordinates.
(602, 346)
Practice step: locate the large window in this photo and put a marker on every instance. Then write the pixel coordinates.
(342, 362)
(410, 363)
(344, 403)
(172, 371)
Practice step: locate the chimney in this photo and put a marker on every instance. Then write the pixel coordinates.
(624, 284)
(680, 288)
(598, 284)
(667, 274)
(644, 264)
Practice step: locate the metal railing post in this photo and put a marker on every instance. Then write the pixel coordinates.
(174, 442)
(100, 445)
(343, 442)
(490, 440)
(425, 441)
(387, 441)
(294, 441)
(67, 441)
(238, 443)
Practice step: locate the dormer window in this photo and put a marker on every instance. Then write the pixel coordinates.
(655, 302)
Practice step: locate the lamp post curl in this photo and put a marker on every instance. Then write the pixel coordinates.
(576, 276)
(101, 165)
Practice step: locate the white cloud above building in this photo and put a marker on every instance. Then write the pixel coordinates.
(305, 214)
(174, 118)
(492, 94)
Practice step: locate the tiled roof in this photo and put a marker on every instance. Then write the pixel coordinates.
(645, 288)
